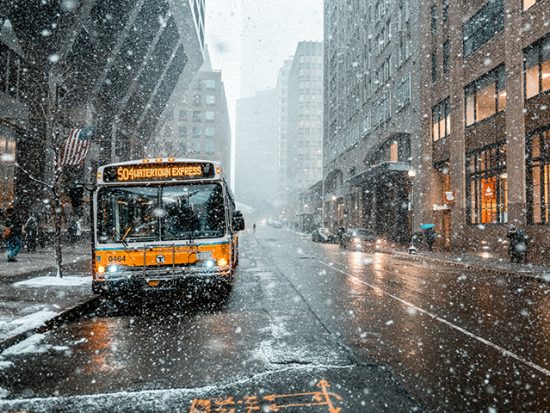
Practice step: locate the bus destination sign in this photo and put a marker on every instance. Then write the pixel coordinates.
(158, 172)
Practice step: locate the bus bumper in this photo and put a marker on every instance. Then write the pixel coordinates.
(153, 280)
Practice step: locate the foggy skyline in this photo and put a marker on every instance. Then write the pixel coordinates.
(251, 40)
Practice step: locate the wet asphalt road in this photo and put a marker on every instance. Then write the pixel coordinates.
(307, 328)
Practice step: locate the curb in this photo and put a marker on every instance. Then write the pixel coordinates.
(79, 265)
(64, 316)
(474, 267)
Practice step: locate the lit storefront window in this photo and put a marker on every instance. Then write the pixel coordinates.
(528, 3)
(487, 185)
(537, 68)
(7, 166)
(538, 178)
(486, 96)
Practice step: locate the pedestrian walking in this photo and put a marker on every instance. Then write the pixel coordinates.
(517, 248)
(30, 231)
(12, 233)
(254, 227)
(429, 234)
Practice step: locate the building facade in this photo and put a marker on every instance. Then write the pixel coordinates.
(371, 115)
(282, 140)
(198, 126)
(485, 136)
(256, 151)
(111, 66)
(305, 117)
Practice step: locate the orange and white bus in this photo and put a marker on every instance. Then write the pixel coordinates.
(162, 223)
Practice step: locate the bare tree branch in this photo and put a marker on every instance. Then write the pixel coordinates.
(32, 178)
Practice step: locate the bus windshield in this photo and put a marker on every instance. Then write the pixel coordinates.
(160, 213)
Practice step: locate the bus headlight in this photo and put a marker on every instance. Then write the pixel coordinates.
(222, 262)
(209, 263)
(101, 269)
(112, 268)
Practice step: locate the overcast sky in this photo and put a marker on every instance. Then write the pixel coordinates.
(250, 39)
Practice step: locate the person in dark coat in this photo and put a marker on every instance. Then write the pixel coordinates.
(518, 245)
(12, 233)
(429, 234)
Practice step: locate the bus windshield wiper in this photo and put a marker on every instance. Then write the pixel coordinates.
(121, 239)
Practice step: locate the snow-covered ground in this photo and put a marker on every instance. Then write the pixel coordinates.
(47, 281)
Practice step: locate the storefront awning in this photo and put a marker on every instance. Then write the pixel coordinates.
(378, 171)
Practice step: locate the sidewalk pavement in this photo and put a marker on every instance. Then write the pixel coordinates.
(31, 296)
(483, 262)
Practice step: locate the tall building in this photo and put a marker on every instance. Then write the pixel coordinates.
(371, 117)
(485, 132)
(256, 151)
(305, 117)
(108, 65)
(198, 125)
(282, 113)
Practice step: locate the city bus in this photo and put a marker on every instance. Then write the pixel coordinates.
(161, 224)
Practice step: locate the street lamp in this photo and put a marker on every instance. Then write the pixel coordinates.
(412, 174)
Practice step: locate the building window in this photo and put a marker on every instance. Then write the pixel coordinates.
(183, 131)
(446, 57)
(404, 92)
(434, 67)
(197, 116)
(196, 100)
(538, 177)
(197, 131)
(536, 66)
(445, 11)
(210, 99)
(487, 185)
(482, 26)
(486, 96)
(182, 115)
(441, 120)
(7, 166)
(209, 131)
(528, 3)
(210, 147)
(209, 115)
(394, 152)
(210, 83)
(433, 12)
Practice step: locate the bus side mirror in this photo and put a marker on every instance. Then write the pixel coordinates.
(238, 221)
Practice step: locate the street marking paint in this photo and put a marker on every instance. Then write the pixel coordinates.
(502, 350)
(271, 402)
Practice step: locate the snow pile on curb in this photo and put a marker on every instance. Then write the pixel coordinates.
(29, 322)
(47, 281)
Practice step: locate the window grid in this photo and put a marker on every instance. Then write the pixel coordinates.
(538, 177)
(487, 185)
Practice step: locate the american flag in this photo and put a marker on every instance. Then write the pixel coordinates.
(76, 147)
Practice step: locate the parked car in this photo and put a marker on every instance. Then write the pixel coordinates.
(322, 235)
(359, 239)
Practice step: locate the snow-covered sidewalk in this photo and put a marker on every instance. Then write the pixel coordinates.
(483, 262)
(31, 296)
(41, 262)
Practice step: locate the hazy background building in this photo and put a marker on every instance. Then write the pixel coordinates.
(304, 141)
(281, 188)
(198, 125)
(257, 150)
